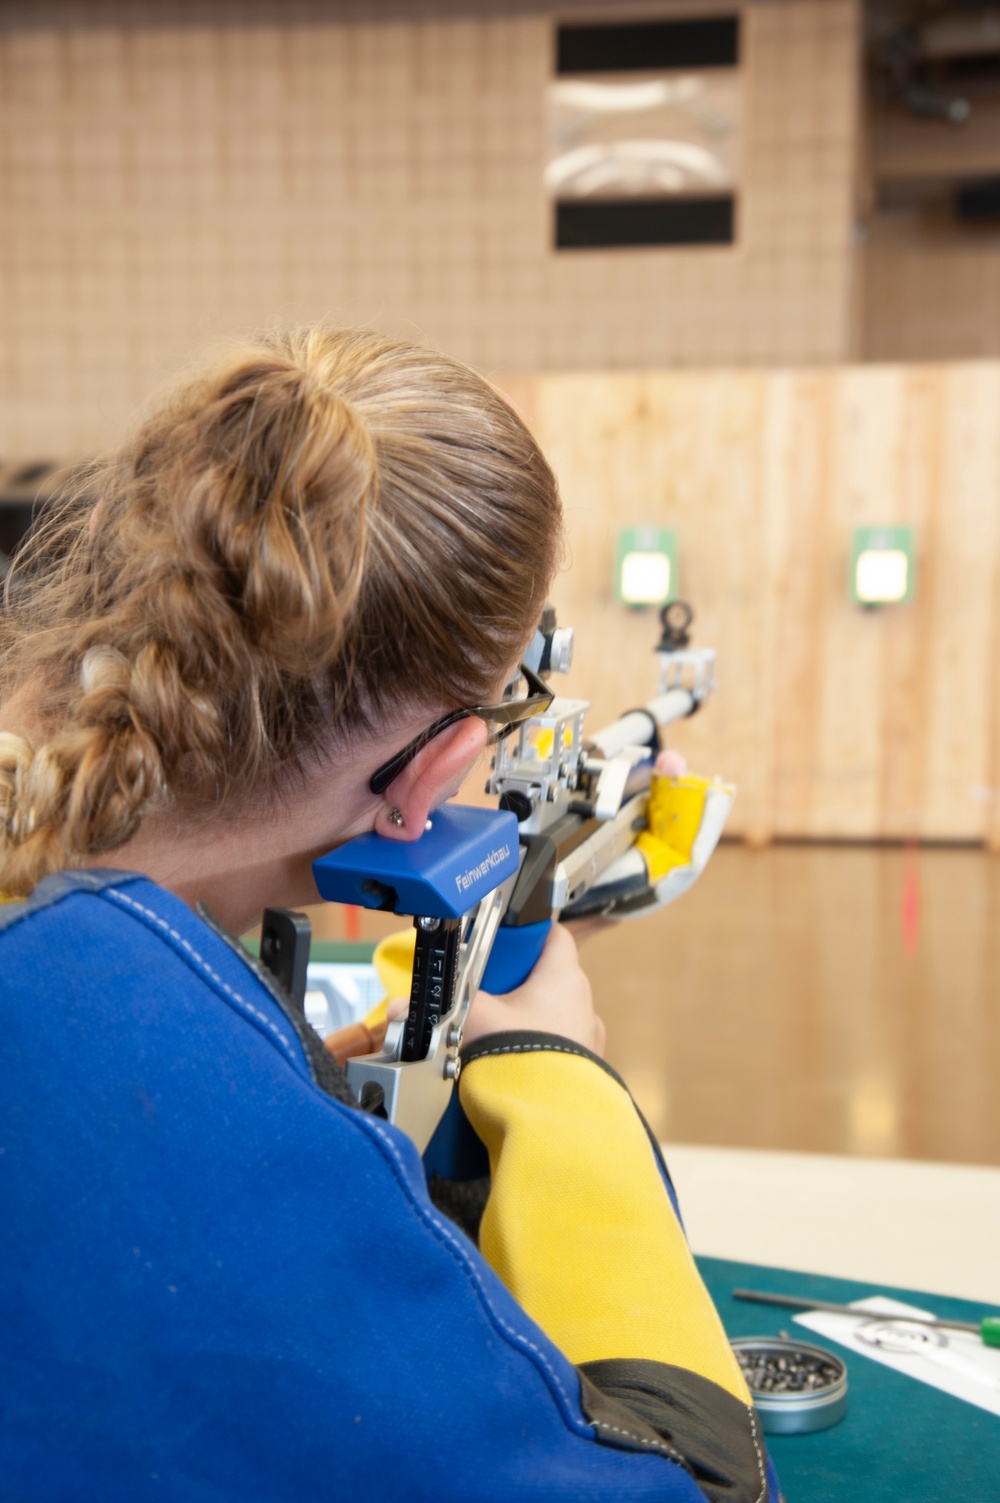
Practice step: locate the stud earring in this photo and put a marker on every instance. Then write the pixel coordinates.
(395, 818)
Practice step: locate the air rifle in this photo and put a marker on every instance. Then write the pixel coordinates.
(584, 826)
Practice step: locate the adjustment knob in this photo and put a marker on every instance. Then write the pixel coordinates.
(517, 803)
(561, 650)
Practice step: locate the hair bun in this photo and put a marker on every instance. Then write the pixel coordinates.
(279, 508)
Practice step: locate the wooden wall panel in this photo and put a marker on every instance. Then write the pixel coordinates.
(796, 463)
(835, 721)
(962, 669)
(664, 449)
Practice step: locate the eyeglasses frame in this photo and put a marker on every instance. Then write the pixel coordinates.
(506, 717)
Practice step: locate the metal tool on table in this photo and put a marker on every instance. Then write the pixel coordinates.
(988, 1329)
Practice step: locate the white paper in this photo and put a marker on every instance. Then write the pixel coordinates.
(955, 1361)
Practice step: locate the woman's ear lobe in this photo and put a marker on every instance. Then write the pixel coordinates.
(391, 822)
(434, 775)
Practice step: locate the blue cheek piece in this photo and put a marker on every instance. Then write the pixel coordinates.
(465, 854)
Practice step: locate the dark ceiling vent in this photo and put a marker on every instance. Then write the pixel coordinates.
(712, 42)
(590, 224)
(978, 201)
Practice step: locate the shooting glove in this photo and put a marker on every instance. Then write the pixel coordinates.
(686, 817)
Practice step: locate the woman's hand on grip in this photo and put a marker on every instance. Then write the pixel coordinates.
(556, 998)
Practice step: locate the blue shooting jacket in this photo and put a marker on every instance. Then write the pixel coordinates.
(217, 1281)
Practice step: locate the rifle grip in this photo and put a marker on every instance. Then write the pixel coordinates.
(454, 1151)
(513, 956)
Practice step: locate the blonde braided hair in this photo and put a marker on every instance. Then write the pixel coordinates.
(321, 527)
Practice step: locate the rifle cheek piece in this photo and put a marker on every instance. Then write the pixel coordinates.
(455, 881)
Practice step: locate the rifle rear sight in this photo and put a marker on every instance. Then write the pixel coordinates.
(549, 767)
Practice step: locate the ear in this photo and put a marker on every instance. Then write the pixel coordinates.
(434, 776)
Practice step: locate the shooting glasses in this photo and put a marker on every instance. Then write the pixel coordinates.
(500, 720)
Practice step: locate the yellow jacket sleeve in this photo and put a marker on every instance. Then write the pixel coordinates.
(579, 1224)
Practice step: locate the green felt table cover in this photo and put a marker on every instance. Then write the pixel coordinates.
(901, 1439)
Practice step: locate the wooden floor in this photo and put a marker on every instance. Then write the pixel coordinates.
(818, 998)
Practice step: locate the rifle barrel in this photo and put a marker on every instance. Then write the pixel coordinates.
(635, 728)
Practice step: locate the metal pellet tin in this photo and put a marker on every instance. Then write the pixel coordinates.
(795, 1387)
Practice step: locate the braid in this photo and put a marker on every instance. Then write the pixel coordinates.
(85, 790)
(29, 838)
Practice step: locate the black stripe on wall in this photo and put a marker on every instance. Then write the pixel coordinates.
(710, 43)
(588, 223)
(979, 199)
(15, 519)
